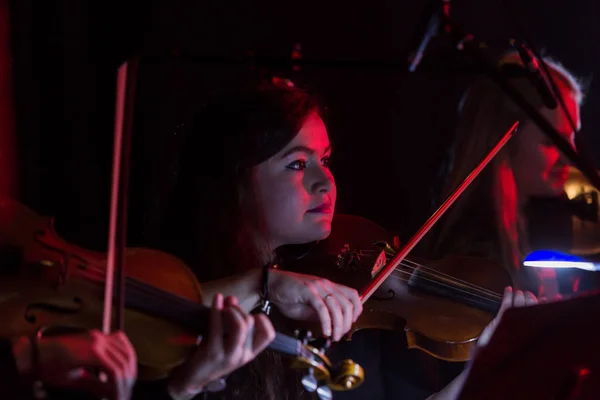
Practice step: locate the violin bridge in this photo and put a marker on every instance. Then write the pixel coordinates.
(380, 262)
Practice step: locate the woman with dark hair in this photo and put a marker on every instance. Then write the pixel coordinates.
(254, 180)
(253, 177)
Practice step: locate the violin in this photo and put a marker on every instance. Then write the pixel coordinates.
(441, 306)
(51, 286)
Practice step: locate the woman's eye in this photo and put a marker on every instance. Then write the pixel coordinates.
(326, 161)
(297, 165)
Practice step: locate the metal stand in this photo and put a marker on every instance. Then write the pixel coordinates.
(468, 43)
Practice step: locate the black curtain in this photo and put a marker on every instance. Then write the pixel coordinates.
(389, 127)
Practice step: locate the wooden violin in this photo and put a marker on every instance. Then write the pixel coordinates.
(441, 306)
(51, 286)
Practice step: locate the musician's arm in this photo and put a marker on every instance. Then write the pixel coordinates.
(245, 287)
(452, 390)
(11, 381)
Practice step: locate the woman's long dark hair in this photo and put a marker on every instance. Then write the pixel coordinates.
(212, 218)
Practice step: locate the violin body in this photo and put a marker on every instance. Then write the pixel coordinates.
(53, 286)
(441, 306)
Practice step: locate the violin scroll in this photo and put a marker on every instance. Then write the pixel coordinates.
(322, 376)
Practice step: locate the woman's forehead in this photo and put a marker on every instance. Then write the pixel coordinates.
(312, 135)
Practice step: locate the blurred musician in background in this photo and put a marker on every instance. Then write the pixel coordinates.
(493, 218)
(489, 220)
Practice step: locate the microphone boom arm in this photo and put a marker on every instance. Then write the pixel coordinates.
(469, 44)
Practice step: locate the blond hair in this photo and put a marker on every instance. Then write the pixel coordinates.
(486, 115)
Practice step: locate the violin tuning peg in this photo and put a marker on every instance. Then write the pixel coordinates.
(309, 382)
(218, 385)
(323, 344)
(303, 335)
(324, 393)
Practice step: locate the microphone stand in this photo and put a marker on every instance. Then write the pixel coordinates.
(468, 43)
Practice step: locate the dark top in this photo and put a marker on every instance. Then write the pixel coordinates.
(156, 390)
(11, 382)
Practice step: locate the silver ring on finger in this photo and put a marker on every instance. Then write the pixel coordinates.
(249, 338)
(327, 296)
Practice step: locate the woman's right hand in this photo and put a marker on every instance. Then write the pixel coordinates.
(219, 354)
(74, 361)
(307, 297)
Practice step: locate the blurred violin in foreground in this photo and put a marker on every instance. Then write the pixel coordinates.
(51, 286)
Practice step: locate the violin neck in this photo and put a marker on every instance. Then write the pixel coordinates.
(286, 344)
(190, 315)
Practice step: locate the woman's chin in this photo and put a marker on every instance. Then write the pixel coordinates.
(325, 231)
(319, 231)
(320, 223)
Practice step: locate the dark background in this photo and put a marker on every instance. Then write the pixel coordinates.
(389, 127)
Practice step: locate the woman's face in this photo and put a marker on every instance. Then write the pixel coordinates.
(295, 188)
(539, 167)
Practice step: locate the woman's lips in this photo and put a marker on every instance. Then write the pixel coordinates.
(324, 208)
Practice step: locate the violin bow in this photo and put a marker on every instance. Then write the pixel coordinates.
(117, 233)
(401, 255)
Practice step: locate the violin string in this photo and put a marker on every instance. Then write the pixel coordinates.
(441, 284)
(162, 298)
(281, 343)
(486, 302)
(154, 295)
(432, 277)
(432, 271)
(188, 311)
(452, 278)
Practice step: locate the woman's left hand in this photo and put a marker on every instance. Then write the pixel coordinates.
(512, 298)
(234, 339)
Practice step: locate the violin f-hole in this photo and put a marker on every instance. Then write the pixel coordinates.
(60, 306)
(391, 295)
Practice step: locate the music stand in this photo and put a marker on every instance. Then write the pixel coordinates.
(546, 351)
